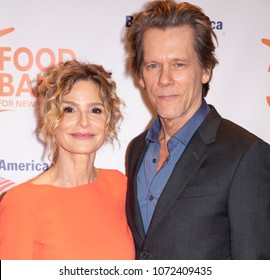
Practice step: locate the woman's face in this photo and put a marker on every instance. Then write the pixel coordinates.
(82, 130)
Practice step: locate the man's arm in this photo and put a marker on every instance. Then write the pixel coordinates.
(249, 205)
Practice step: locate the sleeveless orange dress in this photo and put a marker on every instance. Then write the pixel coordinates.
(85, 222)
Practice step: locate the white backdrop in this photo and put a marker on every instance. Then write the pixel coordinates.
(34, 34)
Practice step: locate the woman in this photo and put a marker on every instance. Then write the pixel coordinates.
(73, 210)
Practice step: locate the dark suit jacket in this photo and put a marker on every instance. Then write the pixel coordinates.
(216, 203)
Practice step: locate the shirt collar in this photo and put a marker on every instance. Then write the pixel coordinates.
(186, 132)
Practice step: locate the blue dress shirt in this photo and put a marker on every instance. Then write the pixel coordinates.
(151, 183)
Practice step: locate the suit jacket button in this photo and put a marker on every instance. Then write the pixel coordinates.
(144, 254)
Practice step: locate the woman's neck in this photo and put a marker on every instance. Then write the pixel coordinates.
(70, 172)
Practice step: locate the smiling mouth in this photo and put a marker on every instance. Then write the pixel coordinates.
(82, 136)
(168, 96)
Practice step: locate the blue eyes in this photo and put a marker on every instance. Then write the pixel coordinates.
(179, 64)
(155, 66)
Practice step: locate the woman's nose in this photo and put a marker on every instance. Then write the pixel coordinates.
(84, 120)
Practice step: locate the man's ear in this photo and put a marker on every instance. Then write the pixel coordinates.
(141, 81)
(206, 75)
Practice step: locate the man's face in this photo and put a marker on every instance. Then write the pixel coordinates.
(171, 73)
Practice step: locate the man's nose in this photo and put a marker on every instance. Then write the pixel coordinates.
(165, 78)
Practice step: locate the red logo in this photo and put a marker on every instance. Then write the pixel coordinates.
(6, 31)
(267, 43)
(16, 86)
(5, 184)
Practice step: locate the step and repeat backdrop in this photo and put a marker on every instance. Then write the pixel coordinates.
(37, 34)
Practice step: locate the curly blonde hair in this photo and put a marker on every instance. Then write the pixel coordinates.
(58, 81)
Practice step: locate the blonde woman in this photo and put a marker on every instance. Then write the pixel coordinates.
(73, 210)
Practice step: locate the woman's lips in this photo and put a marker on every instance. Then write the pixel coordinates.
(82, 136)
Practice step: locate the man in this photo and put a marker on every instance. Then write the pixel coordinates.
(199, 185)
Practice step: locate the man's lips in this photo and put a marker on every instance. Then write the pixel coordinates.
(82, 136)
(169, 96)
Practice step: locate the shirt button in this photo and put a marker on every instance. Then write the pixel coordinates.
(154, 160)
(144, 254)
(151, 197)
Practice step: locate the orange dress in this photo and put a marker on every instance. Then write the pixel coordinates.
(84, 222)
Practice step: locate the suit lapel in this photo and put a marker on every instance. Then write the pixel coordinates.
(195, 154)
(133, 209)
